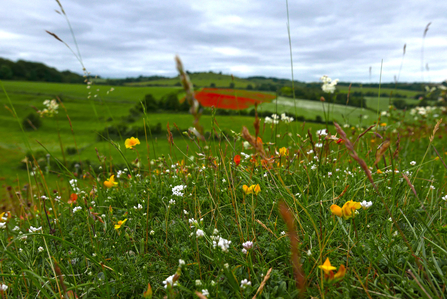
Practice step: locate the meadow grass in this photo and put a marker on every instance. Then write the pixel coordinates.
(217, 218)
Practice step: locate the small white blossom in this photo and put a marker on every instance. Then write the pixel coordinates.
(413, 163)
(366, 204)
(172, 202)
(2, 225)
(33, 229)
(432, 187)
(152, 233)
(75, 209)
(40, 249)
(138, 207)
(181, 263)
(200, 233)
(283, 233)
(185, 212)
(169, 281)
(3, 287)
(205, 292)
(198, 282)
(245, 283)
(247, 245)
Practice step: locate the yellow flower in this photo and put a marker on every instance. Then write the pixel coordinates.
(110, 182)
(336, 210)
(327, 267)
(349, 208)
(120, 223)
(131, 142)
(347, 211)
(379, 171)
(383, 124)
(256, 189)
(247, 190)
(283, 151)
(1, 216)
(340, 273)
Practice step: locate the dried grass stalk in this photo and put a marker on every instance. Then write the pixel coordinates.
(342, 193)
(354, 155)
(54, 35)
(261, 287)
(254, 143)
(193, 103)
(200, 295)
(396, 152)
(435, 129)
(363, 133)
(381, 150)
(300, 279)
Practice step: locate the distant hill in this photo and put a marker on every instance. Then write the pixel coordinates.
(35, 71)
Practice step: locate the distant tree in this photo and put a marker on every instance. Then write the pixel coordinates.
(5, 72)
(213, 85)
(232, 85)
(249, 87)
(171, 102)
(149, 103)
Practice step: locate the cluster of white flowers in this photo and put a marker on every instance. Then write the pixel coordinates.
(2, 225)
(444, 198)
(366, 204)
(224, 244)
(205, 292)
(74, 185)
(286, 118)
(169, 281)
(275, 119)
(412, 163)
(33, 229)
(177, 190)
(181, 263)
(3, 287)
(193, 222)
(322, 132)
(319, 145)
(171, 202)
(245, 283)
(119, 173)
(51, 109)
(200, 233)
(138, 207)
(422, 110)
(247, 246)
(385, 113)
(75, 209)
(40, 249)
(328, 85)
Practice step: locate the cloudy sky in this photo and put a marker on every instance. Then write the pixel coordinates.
(342, 39)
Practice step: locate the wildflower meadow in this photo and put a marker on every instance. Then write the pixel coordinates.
(260, 205)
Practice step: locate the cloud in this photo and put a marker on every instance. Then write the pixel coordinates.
(244, 37)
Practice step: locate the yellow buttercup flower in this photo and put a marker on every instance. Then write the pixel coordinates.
(110, 182)
(131, 142)
(120, 223)
(383, 124)
(327, 267)
(336, 210)
(379, 171)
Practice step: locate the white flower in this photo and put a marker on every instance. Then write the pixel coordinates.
(246, 144)
(205, 292)
(444, 198)
(172, 202)
(193, 222)
(244, 251)
(309, 252)
(185, 212)
(329, 174)
(224, 244)
(3, 287)
(314, 167)
(40, 249)
(310, 152)
(181, 263)
(16, 228)
(245, 283)
(169, 281)
(366, 204)
(33, 229)
(198, 282)
(395, 233)
(152, 233)
(322, 132)
(139, 207)
(283, 233)
(432, 187)
(75, 209)
(177, 190)
(247, 245)
(215, 231)
(319, 145)
(267, 120)
(213, 283)
(413, 163)
(2, 225)
(328, 85)
(200, 233)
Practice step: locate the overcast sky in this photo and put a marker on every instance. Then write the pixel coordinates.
(342, 39)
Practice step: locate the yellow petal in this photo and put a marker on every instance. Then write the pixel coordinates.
(257, 189)
(340, 273)
(336, 210)
(327, 267)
